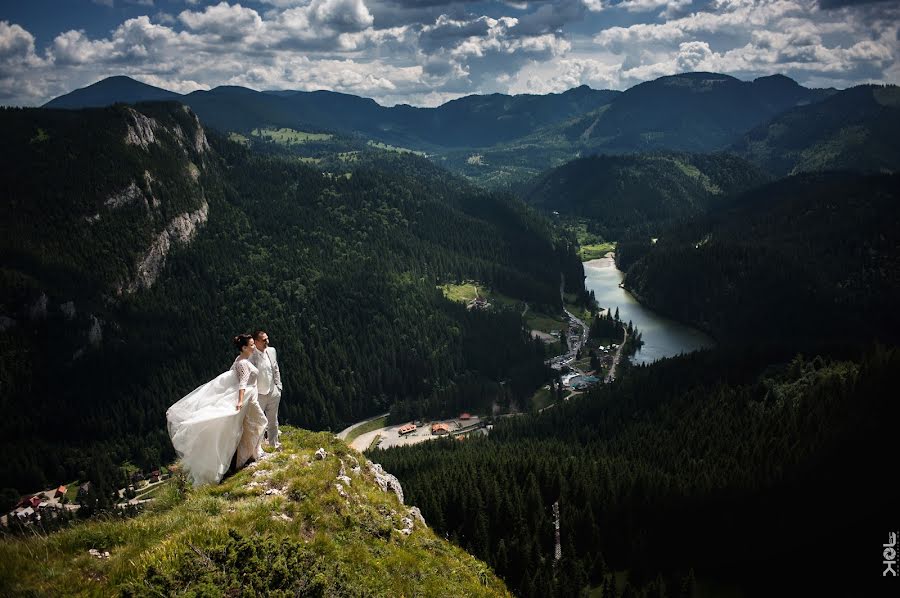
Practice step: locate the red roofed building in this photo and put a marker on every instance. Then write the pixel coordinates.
(440, 429)
(465, 416)
(407, 429)
(61, 491)
(33, 502)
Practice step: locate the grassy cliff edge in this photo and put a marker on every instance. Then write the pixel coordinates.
(295, 523)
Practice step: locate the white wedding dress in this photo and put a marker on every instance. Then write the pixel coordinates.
(206, 429)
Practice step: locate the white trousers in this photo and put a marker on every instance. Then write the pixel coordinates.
(269, 404)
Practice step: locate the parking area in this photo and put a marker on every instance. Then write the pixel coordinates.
(390, 436)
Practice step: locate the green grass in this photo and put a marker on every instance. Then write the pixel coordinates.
(544, 323)
(232, 539)
(374, 444)
(286, 136)
(370, 426)
(153, 492)
(541, 398)
(594, 251)
(394, 148)
(580, 312)
(466, 291)
(462, 293)
(238, 138)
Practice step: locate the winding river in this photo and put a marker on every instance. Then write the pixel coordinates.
(662, 336)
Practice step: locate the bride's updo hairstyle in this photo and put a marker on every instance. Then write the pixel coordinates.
(241, 341)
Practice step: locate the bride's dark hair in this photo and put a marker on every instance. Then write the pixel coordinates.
(241, 341)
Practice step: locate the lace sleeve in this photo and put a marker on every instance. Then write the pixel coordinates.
(243, 372)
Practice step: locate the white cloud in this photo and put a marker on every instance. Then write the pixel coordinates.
(414, 51)
(229, 22)
(16, 44)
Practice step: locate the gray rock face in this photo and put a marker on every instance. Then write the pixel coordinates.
(321, 454)
(416, 514)
(141, 129)
(181, 229)
(130, 195)
(386, 481)
(38, 310)
(95, 333)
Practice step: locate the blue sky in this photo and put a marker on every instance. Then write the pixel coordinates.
(425, 52)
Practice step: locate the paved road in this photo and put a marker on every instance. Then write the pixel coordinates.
(343, 433)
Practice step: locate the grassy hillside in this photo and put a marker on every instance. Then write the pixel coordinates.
(288, 526)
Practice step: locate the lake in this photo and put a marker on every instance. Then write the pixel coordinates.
(663, 337)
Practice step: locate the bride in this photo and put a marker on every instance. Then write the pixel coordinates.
(217, 419)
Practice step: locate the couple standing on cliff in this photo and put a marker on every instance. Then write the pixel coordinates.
(228, 417)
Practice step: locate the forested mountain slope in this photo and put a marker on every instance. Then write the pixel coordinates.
(712, 468)
(806, 259)
(856, 129)
(695, 112)
(646, 191)
(341, 268)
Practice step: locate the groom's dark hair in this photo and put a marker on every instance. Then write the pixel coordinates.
(257, 333)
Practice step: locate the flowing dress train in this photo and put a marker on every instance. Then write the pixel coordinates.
(206, 429)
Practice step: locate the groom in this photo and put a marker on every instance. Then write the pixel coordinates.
(268, 383)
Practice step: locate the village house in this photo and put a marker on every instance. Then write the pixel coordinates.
(440, 429)
(407, 429)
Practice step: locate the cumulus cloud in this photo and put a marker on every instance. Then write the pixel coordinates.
(427, 51)
(16, 44)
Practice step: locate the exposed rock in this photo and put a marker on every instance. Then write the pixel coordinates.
(321, 454)
(141, 129)
(193, 171)
(38, 309)
(92, 219)
(407, 526)
(416, 514)
(130, 195)
(181, 229)
(148, 183)
(282, 517)
(6, 323)
(201, 143)
(342, 475)
(95, 333)
(340, 490)
(68, 309)
(99, 555)
(386, 481)
(274, 492)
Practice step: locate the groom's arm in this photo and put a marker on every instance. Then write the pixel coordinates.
(276, 371)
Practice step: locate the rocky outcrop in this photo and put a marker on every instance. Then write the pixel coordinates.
(141, 129)
(386, 481)
(128, 196)
(95, 333)
(181, 229)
